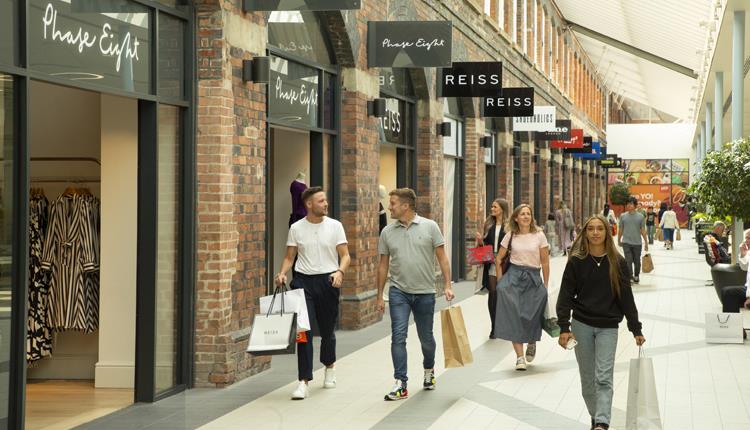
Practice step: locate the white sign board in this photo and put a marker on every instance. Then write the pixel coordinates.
(543, 120)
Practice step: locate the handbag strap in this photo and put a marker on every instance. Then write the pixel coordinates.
(510, 242)
(718, 318)
(283, 288)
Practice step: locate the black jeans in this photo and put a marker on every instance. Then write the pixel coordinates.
(633, 258)
(322, 307)
(733, 298)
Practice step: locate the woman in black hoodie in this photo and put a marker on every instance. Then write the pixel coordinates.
(596, 288)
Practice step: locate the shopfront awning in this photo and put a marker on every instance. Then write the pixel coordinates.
(644, 50)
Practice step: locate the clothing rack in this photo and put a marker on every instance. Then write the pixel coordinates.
(91, 159)
(61, 180)
(53, 180)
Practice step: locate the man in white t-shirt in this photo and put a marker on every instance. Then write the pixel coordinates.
(320, 245)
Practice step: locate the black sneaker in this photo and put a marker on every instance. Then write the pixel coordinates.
(398, 392)
(429, 379)
(637, 280)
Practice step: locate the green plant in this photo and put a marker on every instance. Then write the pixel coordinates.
(723, 184)
(619, 193)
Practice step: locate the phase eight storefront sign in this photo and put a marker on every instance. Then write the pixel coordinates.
(409, 43)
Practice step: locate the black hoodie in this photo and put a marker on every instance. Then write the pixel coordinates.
(586, 290)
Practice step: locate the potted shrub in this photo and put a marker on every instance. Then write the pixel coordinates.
(723, 184)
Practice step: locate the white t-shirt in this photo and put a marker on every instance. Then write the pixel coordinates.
(316, 245)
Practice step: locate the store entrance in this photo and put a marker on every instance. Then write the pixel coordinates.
(289, 177)
(83, 167)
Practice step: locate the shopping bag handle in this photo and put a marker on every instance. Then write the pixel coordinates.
(283, 288)
(718, 318)
(641, 353)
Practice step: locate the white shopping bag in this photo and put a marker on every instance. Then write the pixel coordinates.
(273, 334)
(294, 301)
(643, 404)
(723, 327)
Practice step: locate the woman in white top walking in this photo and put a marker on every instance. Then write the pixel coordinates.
(668, 225)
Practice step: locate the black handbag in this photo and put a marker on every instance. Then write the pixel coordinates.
(505, 262)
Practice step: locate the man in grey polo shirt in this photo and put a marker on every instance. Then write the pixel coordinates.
(632, 230)
(409, 246)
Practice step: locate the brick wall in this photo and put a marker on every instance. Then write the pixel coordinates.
(230, 146)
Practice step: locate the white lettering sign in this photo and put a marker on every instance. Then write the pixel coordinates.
(543, 120)
(302, 97)
(108, 45)
(420, 43)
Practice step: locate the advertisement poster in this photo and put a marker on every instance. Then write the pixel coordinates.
(654, 195)
(636, 166)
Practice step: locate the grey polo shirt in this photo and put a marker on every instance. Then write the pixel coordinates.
(412, 254)
(631, 225)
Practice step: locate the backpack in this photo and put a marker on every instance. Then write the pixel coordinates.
(568, 220)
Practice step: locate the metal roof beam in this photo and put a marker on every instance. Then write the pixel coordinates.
(632, 50)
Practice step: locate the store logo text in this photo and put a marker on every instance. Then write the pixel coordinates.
(108, 46)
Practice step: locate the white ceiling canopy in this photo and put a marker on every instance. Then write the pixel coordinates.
(648, 51)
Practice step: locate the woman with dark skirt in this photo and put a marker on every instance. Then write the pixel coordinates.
(494, 231)
(521, 292)
(596, 288)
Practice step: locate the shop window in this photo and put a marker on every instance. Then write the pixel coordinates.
(171, 57)
(6, 223)
(168, 246)
(7, 31)
(299, 34)
(120, 57)
(293, 93)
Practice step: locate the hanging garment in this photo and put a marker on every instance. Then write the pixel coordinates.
(70, 254)
(299, 210)
(38, 334)
(91, 278)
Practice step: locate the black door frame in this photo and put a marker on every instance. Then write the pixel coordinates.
(146, 264)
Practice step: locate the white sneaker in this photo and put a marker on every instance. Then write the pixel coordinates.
(330, 379)
(520, 363)
(301, 392)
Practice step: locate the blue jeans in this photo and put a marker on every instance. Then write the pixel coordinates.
(595, 354)
(401, 304)
(668, 234)
(650, 230)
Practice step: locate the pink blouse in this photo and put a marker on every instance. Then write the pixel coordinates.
(524, 250)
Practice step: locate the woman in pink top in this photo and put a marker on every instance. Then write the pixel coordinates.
(521, 292)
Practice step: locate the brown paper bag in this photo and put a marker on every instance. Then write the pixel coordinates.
(456, 348)
(659, 234)
(647, 264)
(679, 236)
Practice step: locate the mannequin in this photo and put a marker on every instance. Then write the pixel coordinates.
(297, 187)
(382, 217)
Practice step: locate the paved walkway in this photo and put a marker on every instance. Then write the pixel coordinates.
(700, 386)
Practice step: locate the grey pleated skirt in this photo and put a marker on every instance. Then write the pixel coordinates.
(521, 299)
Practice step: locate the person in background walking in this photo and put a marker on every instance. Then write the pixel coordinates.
(521, 292)
(596, 288)
(565, 225)
(668, 224)
(409, 247)
(494, 231)
(650, 224)
(632, 229)
(662, 209)
(609, 214)
(320, 243)
(550, 230)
